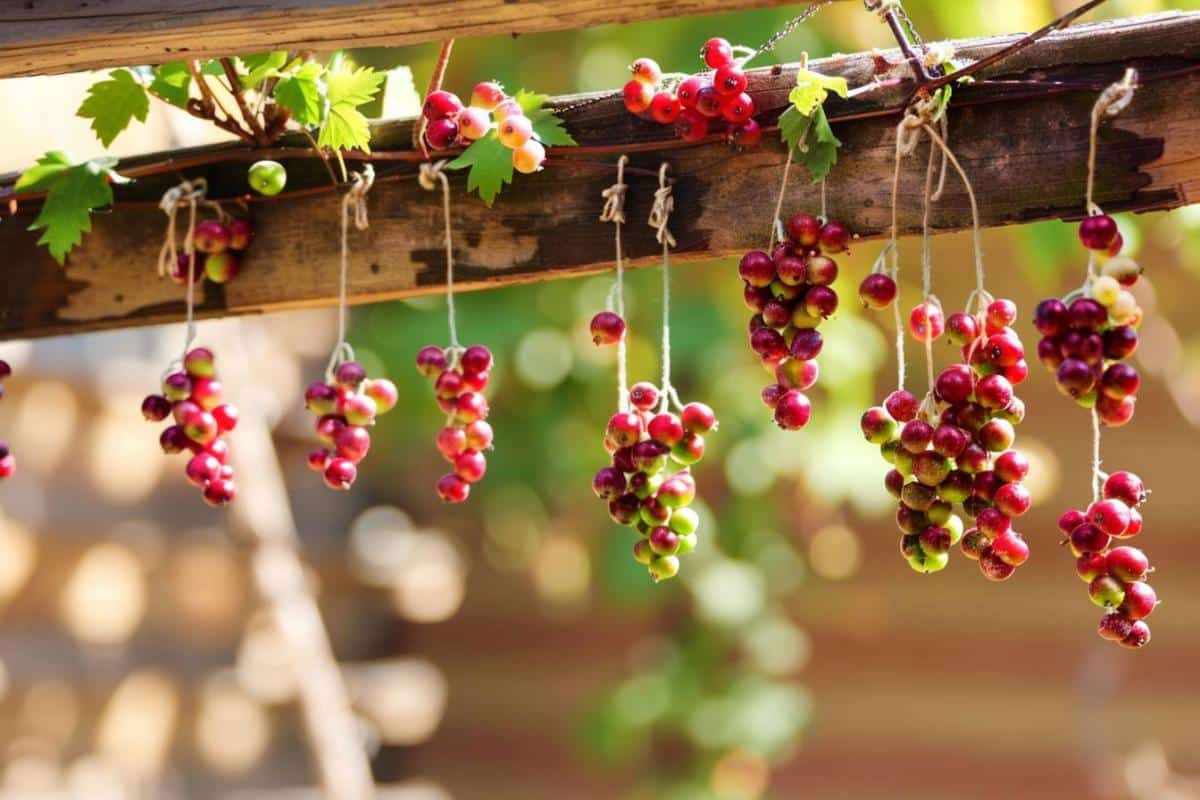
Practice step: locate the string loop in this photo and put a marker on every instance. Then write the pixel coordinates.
(1111, 102)
(429, 177)
(614, 212)
(354, 206)
(660, 217)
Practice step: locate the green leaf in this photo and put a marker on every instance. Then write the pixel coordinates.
(812, 88)
(345, 126)
(261, 66)
(213, 69)
(811, 140)
(491, 166)
(822, 150)
(39, 177)
(72, 193)
(548, 127)
(302, 94)
(172, 82)
(112, 104)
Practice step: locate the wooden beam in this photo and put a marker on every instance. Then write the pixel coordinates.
(38, 37)
(1023, 144)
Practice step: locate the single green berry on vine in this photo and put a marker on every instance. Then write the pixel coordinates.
(267, 177)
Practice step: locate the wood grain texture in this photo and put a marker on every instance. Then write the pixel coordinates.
(1023, 145)
(47, 36)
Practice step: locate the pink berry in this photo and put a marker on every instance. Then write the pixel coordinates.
(926, 322)
(638, 96)
(877, 291)
(793, 410)
(665, 108)
(717, 53)
(607, 328)
(220, 492)
(340, 474)
(431, 360)
(470, 465)
(698, 418)
(453, 489)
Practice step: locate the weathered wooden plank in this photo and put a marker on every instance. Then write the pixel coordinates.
(47, 36)
(1024, 146)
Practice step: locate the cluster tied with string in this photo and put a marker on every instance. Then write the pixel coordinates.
(8, 464)
(649, 485)
(194, 398)
(459, 378)
(452, 124)
(697, 105)
(790, 292)
(219, 245)
(956, 446)
(1116, 576)
(1087, 335)
(346, 405)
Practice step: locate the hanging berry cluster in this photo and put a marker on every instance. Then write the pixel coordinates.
(1116, 576)
(1087, 335)
(459, 380)
(219, 245)
(346, 407)
(451, 124)
(956, 446)
(193, 396)
(697, 104)
(790, 292)
(8, 464)
(649, 485)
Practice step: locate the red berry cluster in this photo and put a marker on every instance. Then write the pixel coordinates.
(699, 102)
(460, 379)
(1085, 339)
(791, 293)
(649, 485)
(1116, 576)
(451, 124)
(957, 447)
(219, 246)
(8, 464)
(345, 407)
(194, 397)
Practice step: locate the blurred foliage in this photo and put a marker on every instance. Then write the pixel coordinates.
(714, 700)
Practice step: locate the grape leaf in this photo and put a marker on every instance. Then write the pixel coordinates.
(113, 103)
(260, 66)
(811, 140)
(491, 166)
(302, 94)
(48, 168)
(72, 191)
(347, 88)
(172, 83)
(812, 88)
(548, 127)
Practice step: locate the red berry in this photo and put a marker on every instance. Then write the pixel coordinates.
(453, 489)
(737, 108)
(687, 91)
(804, 229)
(665, 108)
(698, 418)
(691, 125)
(637, 96)
(441, 134)
(729, 80)
(340, 474)
(646, 70)
(926, 322)
(1011, 548)
(793, 410)
(220, 492)
(1140, 600)
(1126, 487)
(717, 52)
(1098, 232)
(748, 134)
(470, 465)
(440, 104)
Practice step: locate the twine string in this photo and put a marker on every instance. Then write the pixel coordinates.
(614, 212)
(354, 205)
(1111, 102)
(777, 232)
(927, 264)
(660, 217)
(429, 177)
(190, 194)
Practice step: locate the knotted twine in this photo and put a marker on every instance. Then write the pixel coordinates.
(354, 205)
(660, 218)
(614, 212)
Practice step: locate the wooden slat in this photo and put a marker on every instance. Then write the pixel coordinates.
(48, 36)
(1024, 146)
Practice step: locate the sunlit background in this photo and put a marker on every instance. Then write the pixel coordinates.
(510, 649)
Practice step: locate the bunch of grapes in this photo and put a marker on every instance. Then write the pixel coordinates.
(1086, 338)
(460, 376)
(345, 407)
(193, 396)
(8, 464)
(957, 446)
(790, 292)
(451, 124)
(219, 246)
(697, 104)
(649, 485)
(1116, 576)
